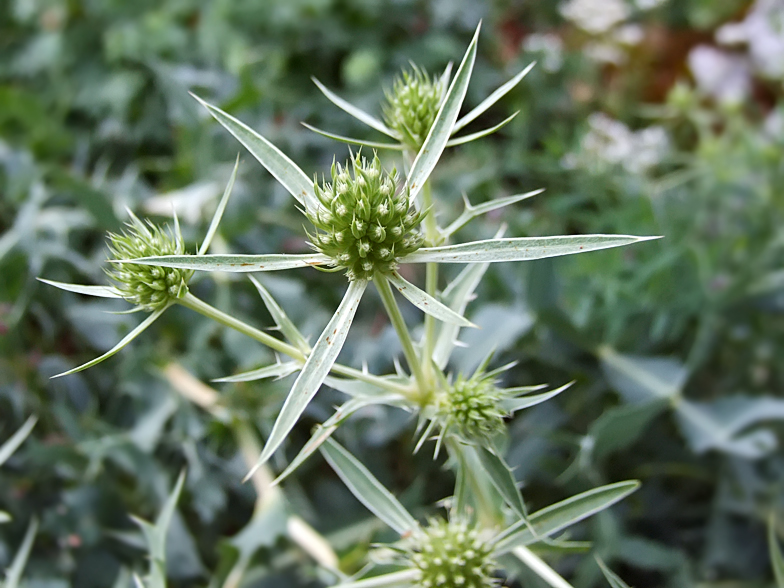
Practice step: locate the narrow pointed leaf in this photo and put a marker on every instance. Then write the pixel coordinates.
(216, 218)
(471, 212)
(316, 368)
(483, 133)
(278, 370)
(164, 517)
(233, 263)
(12, 444)
(13, 575)
(443, 124)
(350, 141)
(520, 248)
(357, 113)
(127, 339)
(156, 535)
(515, 404)
(444, 79)
(288, 328)
(502, 478)
(273, 159)
(426, 303)
(521, 390)
(401, 579)
(554, 518)
(367, 488)
(492, 99)
(613, 579)
(100, 291)
(776, 556)
(457, 296)
(323, 432)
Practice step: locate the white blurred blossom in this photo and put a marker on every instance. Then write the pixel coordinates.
(595, 16)
(609, 142)
(763, 32)
(629, 34)
(719, 74)
(549, 46)
(649, 4)
(605, 53)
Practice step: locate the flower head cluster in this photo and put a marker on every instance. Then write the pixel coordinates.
(452, 555)
(473, 407)
(412, 105)
(149, 287)
(363, 222)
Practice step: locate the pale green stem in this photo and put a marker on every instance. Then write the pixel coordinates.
(190, 301)
(537, 565)
(390, 304)
(431, 280)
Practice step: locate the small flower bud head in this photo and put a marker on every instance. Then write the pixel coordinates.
(412, 105)
(473, 407)
(438, 551)
(149, 287)
(368, 227)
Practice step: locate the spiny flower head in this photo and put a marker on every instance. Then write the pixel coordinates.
(412, 105)
(450, 554)
(473, 406)
(363, 223)
(149, 287)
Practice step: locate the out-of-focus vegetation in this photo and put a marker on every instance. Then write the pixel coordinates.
(647, 117)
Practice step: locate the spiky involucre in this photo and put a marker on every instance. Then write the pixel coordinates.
(362, 223)
(149, 287)
(412, 105)
(472, 408)
(450, 554)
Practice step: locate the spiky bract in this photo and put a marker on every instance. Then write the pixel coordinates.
(472, 407)
(149, 287)
(363, 223)
(412, 105)
(450, 554)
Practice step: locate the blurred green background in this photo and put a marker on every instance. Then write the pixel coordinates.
(642, 117)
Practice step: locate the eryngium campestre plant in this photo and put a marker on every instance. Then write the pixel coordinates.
(412, 105)
(450, 554)
(364, 223)
(148, 287)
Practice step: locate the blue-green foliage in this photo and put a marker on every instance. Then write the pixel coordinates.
(676, 346)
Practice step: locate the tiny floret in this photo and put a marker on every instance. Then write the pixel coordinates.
(362, 222)
(148, 287)
(440, 552)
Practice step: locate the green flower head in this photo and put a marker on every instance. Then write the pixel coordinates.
(472, 407)
(412, 105)
(363, 222)
(452, 555)
(149, 287)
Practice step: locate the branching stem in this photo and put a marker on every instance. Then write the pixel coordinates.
(390, 304)
(431, 281)
(190, 301)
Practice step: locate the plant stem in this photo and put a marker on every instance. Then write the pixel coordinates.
(431, 280)
(537, 565)
(190, 301)
(390, 304)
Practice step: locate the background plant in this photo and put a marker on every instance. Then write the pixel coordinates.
(95, 116)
